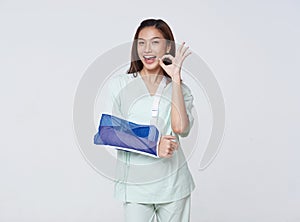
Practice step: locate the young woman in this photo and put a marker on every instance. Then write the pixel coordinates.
(155, 187)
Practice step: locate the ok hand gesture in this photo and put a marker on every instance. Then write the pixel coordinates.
(173, 70)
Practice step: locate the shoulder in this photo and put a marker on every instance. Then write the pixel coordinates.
(121, 80)
(123, 76)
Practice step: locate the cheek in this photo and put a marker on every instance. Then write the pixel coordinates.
(160, 52)
(161, 49)
(139, 52)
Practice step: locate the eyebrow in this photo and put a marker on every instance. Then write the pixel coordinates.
(150, 39)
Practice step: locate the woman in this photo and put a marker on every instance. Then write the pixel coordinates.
(155, 187)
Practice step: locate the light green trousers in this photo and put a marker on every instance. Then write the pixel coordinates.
(177, 211)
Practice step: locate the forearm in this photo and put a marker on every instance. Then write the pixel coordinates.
(179, 117)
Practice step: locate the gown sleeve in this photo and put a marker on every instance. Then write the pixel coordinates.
(113, 101)
(188, 100)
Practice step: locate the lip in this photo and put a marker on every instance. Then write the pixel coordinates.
(149, 56)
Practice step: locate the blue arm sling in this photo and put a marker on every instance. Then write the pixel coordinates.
(128, 136)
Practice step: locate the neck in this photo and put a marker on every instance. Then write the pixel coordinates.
(152, 77)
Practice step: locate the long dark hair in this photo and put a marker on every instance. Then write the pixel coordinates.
(136, 64)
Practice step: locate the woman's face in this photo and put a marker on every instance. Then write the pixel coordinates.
(151, 46)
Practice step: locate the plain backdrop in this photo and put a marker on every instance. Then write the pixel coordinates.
(252, 47)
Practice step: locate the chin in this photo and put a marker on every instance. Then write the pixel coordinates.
(152, 67)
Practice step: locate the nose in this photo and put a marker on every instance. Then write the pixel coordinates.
(148, 47)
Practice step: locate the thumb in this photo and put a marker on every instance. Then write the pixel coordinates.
(169, 137)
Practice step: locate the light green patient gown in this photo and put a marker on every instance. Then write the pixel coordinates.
(141, 178)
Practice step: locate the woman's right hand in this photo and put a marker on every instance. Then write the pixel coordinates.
(167, 146)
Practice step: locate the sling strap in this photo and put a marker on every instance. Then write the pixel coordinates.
(157, 97)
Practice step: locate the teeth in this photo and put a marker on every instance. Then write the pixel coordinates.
(149, 57)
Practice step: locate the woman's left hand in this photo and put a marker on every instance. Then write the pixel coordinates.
(173, 70)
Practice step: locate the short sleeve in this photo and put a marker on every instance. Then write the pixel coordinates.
(188, 100)
(112, 101)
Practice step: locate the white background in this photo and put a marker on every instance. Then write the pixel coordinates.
(252, 47)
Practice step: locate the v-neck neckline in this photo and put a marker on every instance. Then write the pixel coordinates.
(145, 86)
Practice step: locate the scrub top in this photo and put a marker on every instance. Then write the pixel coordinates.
(141, 178)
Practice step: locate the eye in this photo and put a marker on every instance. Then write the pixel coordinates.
(140, 43)
(155, 42)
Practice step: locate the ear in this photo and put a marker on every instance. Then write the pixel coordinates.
(168, 48)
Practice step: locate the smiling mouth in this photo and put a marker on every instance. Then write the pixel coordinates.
(149, 59)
